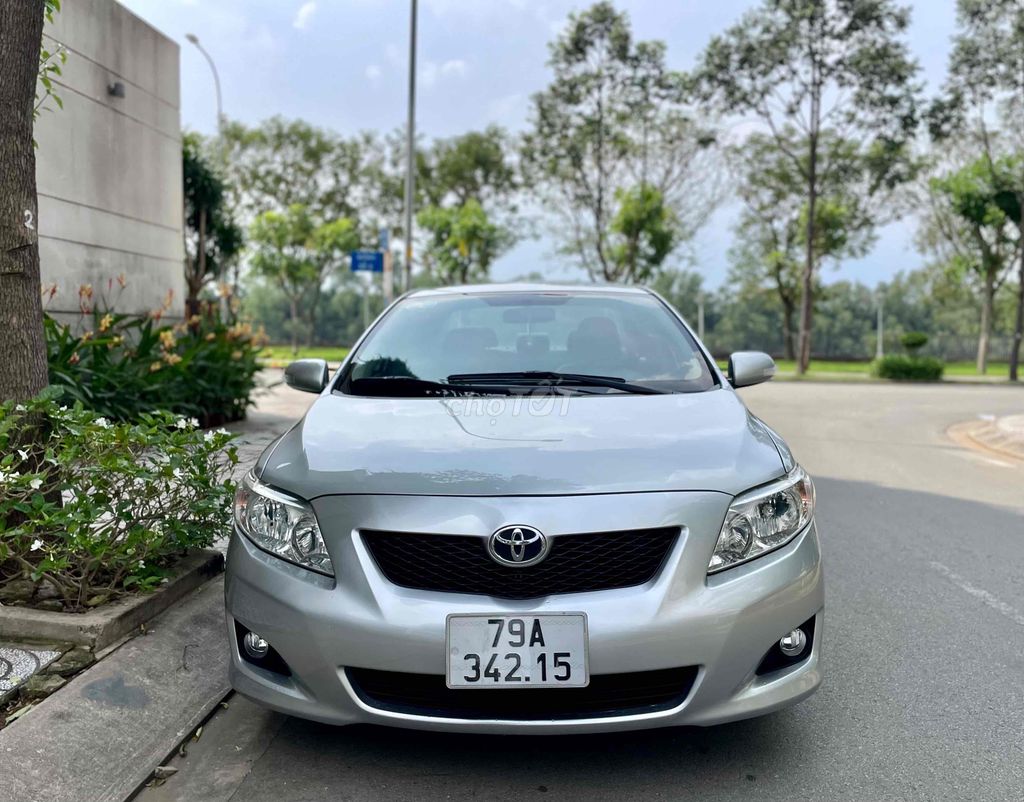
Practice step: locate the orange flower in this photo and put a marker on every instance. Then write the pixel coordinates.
(154, 367)
(74, 359)
(122, 281)
(236, 355)
(106, 323)
(86, 337)
(211, 337)
(172, 359)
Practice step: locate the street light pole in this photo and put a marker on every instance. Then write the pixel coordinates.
(191, 37)
(216, 81)
(410, 150)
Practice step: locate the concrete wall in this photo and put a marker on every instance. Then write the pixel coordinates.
(109, 168)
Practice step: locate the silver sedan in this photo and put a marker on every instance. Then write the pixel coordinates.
(530, 509)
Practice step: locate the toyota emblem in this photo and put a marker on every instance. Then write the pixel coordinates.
(518, 546)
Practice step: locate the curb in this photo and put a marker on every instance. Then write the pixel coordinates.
(1003, 436)
(100, 628)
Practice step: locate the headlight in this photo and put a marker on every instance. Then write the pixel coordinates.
(281, 524)
(763, 519)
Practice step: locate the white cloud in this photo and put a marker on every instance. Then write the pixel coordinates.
(373, 73)
(304, 15)
(431, 71)
(428, 74)
(455, 66)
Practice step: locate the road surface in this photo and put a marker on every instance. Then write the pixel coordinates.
(924, 650)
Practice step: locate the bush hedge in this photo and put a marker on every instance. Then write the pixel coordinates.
(90, 508)
(908, 368)
(127, 365)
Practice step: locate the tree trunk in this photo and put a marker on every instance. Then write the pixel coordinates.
(295, 325)
(807, 289)
(23, 369)
(1018, 328)
(988, 292)
(788, 309)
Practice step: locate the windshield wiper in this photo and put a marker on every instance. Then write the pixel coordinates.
(548, 377)
(409, 386)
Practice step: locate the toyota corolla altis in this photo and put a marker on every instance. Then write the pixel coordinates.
(526, 508)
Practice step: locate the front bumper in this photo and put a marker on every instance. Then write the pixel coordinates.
(723, 624)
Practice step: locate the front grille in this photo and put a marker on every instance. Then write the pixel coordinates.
(607, 695)
(575, 564)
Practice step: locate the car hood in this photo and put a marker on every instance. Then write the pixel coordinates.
(538, 446)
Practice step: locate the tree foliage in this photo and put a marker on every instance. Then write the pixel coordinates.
(299, 253)
(985, 80)
(613, 129)
(836, 72)
(212, 237)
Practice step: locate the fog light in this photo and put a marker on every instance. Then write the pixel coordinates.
(793, 644)
(257, 648)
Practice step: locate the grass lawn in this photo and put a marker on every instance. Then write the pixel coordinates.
(998, 370)
(281, 355)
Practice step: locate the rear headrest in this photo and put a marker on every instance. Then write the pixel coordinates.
(533, 344)
(470, 338)
(595, 334)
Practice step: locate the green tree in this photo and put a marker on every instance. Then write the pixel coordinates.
(279, 163)
(964, 226)
(462, 243)
(468, 185)
(330, 245)
(280, 253)
(613, 128)
(212, 238)
(812, 65)
(23, 368)
(986, 81)
(299, 254)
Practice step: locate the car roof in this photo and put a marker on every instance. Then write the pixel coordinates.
(521, 287)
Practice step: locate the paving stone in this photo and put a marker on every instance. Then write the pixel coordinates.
(19, 663)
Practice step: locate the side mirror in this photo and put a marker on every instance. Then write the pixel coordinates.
(750, 367)
(308, 375)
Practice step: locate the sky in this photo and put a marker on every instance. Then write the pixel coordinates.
(343, 64)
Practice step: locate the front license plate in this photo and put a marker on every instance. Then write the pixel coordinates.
(517, 651)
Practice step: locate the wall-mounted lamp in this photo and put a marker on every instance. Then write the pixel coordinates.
(115, 89)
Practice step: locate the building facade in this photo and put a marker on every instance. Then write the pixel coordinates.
(109, 164)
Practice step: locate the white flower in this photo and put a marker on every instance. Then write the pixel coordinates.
(208, 437)
(176, 473)
(22, 453)
(181, 424)
(193, 422)
(224, 432)
(35, 484)
(142, 563)
(64, 408)
(103, 423)
(8, 476)
(19, 408)
(37, 544)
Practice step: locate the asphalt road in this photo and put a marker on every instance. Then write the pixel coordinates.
(924, 650)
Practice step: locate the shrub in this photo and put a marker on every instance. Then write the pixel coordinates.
(914, 341)
(128, 365)
(908, 368)
(95, 508)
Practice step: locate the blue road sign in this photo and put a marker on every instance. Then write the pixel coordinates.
(370, 261)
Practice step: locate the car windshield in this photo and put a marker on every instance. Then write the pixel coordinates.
(481, 338)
